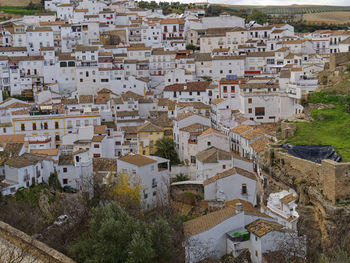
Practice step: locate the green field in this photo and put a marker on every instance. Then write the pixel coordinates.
(19, 10)
(330, 126)
(292, 9)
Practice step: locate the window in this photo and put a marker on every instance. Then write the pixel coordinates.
(244, 189)
(23, 128)
(208, 144)
(63, 64)
(86, 122)
(97, 155)
(96, 146)
(65, 180)
(57, 137)
(154, 183)
(77, 159)
(250, 100)
(260, 111)
(34, 126)
(65, 169)
(250, 110)
(225, 88)
(56, 125)
(46, 126)
(154, 193)
(193, 159)
(232, 88)
(223, 166)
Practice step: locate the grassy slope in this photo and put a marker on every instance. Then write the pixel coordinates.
(18, 10)
(330, 126)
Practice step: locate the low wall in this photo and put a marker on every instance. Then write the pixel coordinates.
(331, 178)
(14, 241)
(337, 59)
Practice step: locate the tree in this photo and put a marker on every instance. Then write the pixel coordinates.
(191, 47)
(258, 16)
(166, 149)
(126, 190)
(54, 182)
(115, 236)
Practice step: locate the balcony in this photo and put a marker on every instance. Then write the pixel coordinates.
(192, 141)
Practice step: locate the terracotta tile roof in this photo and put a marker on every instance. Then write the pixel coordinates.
(196, 128)
(21, 161)
(261, 227)
(150, 127)
(211, 130)
(49, 152)
(189, 86)
(248, 208)
(288, 198)
(15, 105)
(194, 104)
(10, 149)
(217, 101)
(127, 113)
(137, 159)
(80, 151)
(213, 155)
(66, 159)
(206, 222)
(167, 102)
(86, 99)
(86, 48)
(100, 129)
(98, 138)
(129, 94)
(229, 172)
(252, 134)
(172, 21)
(20, 112)
(241, 128)
(184, 115)
(104, 164)
(259, 145)
(18, 138)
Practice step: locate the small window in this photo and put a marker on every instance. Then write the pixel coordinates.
(208, 144)
(65, 180)
(250, 100)
(57, 125)
(23, 128)
(77, 159)
(34, 126)
(65, 169)
(223, 166)
(244, 189)
(96, 146)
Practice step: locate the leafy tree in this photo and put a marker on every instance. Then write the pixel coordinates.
(166, 149)
(115, 236)
(54, 182)
(125, 189)
(162, 243)
(191, 46)
(180, 178)
(258, 16)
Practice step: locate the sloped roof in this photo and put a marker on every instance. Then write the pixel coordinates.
(241, 128)
(261, 227)
(229, 172)
(104, 164)
(259, 145)
(137, 159)
(150, 127)
(213, 155)
(189, 86)
(211, 130)
(206, 222)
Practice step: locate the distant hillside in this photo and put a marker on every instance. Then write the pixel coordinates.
(291, 9)
(17, 2)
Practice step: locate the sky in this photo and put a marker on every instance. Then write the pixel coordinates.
(274, 2)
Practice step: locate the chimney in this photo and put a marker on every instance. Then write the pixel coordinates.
(239, 208)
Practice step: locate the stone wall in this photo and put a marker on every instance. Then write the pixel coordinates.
(330, 178)
(14, 241)
(337, 59)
